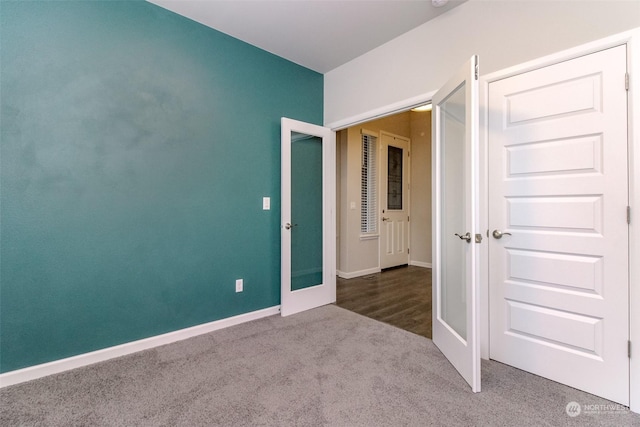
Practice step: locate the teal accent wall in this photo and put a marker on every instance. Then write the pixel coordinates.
(136, 147)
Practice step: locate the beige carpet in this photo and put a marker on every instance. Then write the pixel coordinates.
(324, 367)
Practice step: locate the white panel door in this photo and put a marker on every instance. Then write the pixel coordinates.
(558, 192)
(394, 201)
(308, 229)
(455, 225)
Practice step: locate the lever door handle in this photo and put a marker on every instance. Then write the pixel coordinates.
(385, 218)
(498, 234)
(289, 226)
(466, 237)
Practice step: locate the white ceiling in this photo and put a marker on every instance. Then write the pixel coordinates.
(317, 34)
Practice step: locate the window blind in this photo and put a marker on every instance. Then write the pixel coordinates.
(369, 190)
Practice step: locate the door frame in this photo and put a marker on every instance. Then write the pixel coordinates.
(632, 40)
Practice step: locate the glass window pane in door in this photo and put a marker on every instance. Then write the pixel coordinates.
(453, 304)
(394, 178)
(306, 211)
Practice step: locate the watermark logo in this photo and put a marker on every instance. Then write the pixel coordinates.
(573, 409)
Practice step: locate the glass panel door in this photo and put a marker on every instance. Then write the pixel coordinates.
(308, 217)
(455, 226)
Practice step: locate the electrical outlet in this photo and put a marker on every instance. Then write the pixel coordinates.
(239, 285)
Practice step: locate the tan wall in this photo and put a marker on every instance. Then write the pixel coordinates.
(420, 188)
(357, 256)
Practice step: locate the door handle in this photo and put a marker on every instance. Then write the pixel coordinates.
(289, 226)
(385, 218)
(466, 237)
(498, 234)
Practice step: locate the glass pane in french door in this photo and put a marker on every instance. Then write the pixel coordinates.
(306, 211)
(453, 304)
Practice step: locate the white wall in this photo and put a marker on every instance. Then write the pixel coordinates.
(502, 32)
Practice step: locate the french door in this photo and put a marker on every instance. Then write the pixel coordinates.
(308, 264)
(456, 224)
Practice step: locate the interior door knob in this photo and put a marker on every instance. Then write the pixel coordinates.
(289, 226)
(498, 234)
(466, 237)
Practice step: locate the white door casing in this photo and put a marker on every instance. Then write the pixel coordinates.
(455, 222)
(394, 204)
(558, 284)
(296, 300)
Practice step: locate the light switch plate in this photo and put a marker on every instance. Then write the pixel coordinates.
(266, 203)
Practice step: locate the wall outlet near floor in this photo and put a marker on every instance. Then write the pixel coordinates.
(239, 285)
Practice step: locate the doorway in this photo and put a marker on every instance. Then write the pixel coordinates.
(399, 296)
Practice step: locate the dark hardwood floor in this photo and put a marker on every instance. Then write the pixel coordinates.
(400, 297)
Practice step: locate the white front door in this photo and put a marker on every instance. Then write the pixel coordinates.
(455, 226)
(558, 194)
(308, 228)
(394, 201)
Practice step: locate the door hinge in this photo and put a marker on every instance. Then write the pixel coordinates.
(407, 218)
(629, 348)
(628, 214)
(408, 251)
(626, 81)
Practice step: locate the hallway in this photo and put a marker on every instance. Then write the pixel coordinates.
(400, 297)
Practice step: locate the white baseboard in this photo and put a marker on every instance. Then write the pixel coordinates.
(420, 264)
(351, 275)
(57, 366)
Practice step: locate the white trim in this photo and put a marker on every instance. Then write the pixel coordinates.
(365, 131)
(630, 38)
(562, 56)
(57, 366)
(633, 64)
(353, 274)
(420, 264)
(378, 113)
